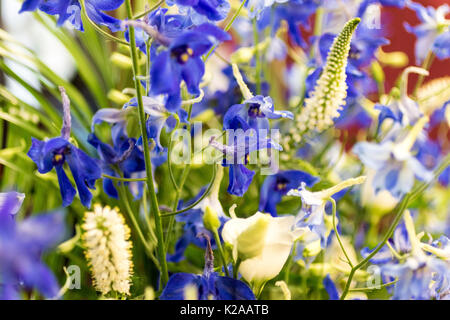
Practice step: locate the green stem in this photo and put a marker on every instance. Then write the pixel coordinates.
(289, 263)
(130, 214)
(338, 237)
(236, 268)
(221, 252)
(374, 288)
(147, 159)
(175, 204)
(156, 6)
(169, 157)
(107, 176)
(184, 176)
(257, 58)
(204, 195)
(400, 208)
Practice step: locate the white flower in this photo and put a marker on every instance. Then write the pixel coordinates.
(262, 242)
(108, 249)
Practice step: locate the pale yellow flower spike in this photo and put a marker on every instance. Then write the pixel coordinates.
(244, 89)
(108, 249)
(283, 286)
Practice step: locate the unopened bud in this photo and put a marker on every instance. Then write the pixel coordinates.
(210, 219)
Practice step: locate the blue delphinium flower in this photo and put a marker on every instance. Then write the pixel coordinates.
(435, 146)
(167, 26)
(256, 112)
(124, 154)
(183, 61)
(441, 46)
(420, 270)
(394, 162)
(433, 31)
(201, 11)
(277, 185)
(71, 10)
(53, 153)
(244, 140)
(21, 247)
(206, 286)
(221, 100)
(127, 153)
(294, 12)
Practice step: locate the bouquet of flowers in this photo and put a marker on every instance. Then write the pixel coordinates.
(223, 149)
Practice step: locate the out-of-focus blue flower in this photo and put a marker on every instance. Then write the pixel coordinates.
(400, 242)
(53, 153)
(432, 149)
(21, 247)
(394, 163)
(441, 46)
(294, 12)
(277, 185)
(182, 61)
(388, 3)
(432, 33)
(71, 10)
(330, 287)
(255, 7)
(207, 286)
(201, 11)
(395, 171)
(420, 270)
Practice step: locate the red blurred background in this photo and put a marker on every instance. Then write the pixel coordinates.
(401, 40)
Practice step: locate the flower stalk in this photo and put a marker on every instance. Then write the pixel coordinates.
(147, 159)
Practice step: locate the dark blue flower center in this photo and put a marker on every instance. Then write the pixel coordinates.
(58, 158)
(182, 53)
(254, 111)
(354, 52)
(281, 184)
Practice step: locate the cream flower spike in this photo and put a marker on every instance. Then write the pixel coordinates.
(108, 249)
(238, 76)
(330, 89)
